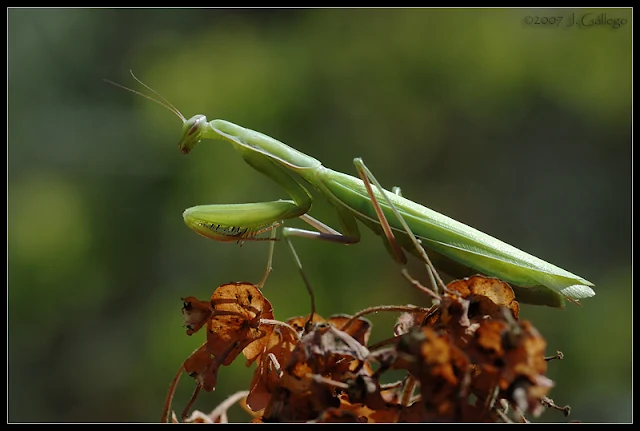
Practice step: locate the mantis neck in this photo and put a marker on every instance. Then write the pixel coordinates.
(253, 144)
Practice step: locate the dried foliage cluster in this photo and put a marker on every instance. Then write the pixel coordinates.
(467, 359)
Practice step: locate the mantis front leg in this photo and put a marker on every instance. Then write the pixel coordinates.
(244, 222)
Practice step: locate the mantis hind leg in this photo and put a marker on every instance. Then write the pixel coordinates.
(396, 250)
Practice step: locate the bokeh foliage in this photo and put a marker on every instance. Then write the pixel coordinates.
(519, 130)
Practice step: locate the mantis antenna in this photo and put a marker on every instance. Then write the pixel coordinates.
(162, 102)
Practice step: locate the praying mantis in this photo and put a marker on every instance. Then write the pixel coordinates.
(442, 242)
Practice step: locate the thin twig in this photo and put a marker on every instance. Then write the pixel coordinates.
(283, 324)
(169, 398)
(549, 403)
(558, 355)
(226, 404)
(369, 310)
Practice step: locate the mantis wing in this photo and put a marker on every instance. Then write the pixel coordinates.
(533, 280)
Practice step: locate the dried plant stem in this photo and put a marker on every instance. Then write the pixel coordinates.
(191, 401)
(279, 323)
(222, 408)
(407, 393)
(369, 310)
(169, 398)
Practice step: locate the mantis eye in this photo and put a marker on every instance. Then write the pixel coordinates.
(195, 127)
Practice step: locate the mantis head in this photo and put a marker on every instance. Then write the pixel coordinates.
(192, 132)
(192, 129)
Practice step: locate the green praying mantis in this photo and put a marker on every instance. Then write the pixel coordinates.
(443, 243)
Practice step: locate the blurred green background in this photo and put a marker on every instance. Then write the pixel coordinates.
(520, 130)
